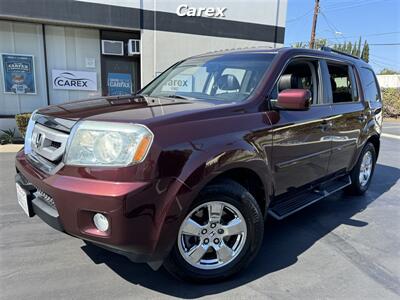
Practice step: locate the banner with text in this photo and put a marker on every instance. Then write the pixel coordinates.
(74, 80)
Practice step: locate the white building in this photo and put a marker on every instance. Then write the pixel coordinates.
(389, 81)
(64, 50)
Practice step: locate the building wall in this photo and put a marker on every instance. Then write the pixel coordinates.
(389, 81)
(162, 49)
(67, 48)
(23, 38)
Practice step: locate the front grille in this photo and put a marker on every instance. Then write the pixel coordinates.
(45, 198)
(55, 144)
(48, 142)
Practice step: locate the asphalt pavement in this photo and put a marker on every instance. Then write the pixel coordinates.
(343, 247)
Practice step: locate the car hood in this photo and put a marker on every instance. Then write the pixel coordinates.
(125, 109)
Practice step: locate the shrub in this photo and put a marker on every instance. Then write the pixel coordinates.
(22, 122)
(7, 137)
(391, 102)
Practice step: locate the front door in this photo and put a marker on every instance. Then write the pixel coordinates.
(349, 118)
(301, 143)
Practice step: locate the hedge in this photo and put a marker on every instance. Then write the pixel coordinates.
(391, 102)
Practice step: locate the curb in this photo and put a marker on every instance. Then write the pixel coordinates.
(11, 148)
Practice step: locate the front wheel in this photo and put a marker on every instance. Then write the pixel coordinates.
(362, 172)
(220, 235)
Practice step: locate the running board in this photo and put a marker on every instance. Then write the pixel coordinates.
(286, 207)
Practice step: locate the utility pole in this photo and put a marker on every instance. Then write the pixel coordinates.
(314, 24)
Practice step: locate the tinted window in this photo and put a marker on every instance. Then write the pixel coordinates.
(342, 83)
(371, 89)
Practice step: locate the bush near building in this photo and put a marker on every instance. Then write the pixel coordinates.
(391, 102)
(22, 122)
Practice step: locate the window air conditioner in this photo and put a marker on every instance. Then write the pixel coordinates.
(133, 47)
(112, 47)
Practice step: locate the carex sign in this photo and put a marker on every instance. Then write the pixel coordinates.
(185, 10)
(74, 80)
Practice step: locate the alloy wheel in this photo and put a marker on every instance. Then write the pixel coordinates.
(365, 168)
(212, 235)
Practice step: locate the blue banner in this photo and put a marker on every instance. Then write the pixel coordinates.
(119, 84)
(19, 74)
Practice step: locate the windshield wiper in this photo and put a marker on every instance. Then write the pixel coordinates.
(177, 97)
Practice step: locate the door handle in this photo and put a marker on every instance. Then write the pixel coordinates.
(362, 118)
(377, 111)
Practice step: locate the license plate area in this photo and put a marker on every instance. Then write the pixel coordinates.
(24, 200)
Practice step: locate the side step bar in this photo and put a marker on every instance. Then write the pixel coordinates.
(286, 207)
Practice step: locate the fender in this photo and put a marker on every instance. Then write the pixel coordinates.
(200, 169)
(372, 129)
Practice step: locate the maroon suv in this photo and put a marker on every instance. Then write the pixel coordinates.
(185, 172)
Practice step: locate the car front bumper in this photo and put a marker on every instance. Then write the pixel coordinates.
(144, 217)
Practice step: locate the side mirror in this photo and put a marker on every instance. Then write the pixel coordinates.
(294, 99)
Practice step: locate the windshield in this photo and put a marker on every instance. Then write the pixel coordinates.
(221, 78)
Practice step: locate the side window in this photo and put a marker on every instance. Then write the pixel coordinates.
(371, 89)
(299, 74)
(342, 83)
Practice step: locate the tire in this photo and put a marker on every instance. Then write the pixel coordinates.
(359, 187)
(236, 202)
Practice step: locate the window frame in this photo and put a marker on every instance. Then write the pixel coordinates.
(352, 77)
(319, 77)
(376, 84)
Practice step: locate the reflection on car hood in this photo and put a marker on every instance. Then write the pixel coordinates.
(124, 109)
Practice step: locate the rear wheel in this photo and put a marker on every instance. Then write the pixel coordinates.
(220, 235)
(362, 172)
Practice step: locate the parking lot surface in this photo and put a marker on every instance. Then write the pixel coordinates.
(343, 247)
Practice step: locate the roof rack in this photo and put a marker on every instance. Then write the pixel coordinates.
(329, 49)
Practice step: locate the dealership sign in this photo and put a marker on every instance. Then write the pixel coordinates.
(185, 10)
(119, 84)
(74, 80)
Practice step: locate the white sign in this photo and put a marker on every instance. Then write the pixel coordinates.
(74, 80)
(179, 83)
(184, 10)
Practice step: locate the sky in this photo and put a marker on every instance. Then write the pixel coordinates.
(377, 21)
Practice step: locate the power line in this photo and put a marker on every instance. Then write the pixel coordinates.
(340, 6)
(385, 44)
(299, 17)
(372, 34)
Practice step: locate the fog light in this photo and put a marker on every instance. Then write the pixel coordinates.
(101, 222)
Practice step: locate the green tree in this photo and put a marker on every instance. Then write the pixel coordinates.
(358, 53)
(299, 45)
(365, 52)
(319, 43)
(349, 48)
(386, 71)
(354, 50)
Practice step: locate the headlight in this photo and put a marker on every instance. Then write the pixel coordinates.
(94, 143)
(28, 133)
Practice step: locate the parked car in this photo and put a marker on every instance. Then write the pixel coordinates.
(184, 173)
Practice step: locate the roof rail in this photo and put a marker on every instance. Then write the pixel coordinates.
(329, 49)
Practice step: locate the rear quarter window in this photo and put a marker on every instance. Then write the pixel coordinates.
(370, 85)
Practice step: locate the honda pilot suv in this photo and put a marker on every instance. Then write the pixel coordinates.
(184, 173)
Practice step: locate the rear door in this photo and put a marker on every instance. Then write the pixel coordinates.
(301, 141)
(349, 114)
